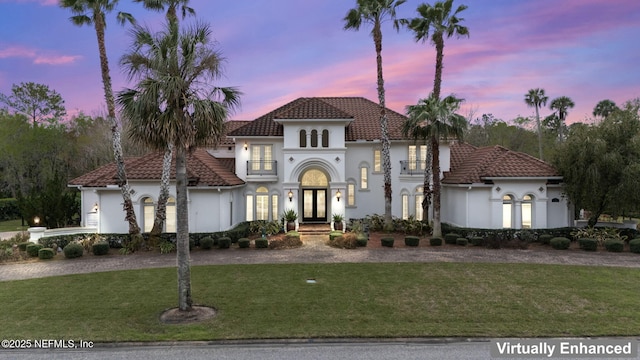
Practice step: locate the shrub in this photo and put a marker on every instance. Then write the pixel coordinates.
(73, 250)
(23, 245)
(100, 248)
(206, 243)
(476, 240)
(60, 240)
(291, 240)
(46, 253)
(411, 240)
(262, 243)
(435, 241)
(560, 243)
(346, 241)
(462, 241)
(387, 241)
(614, 245)
(451, 238)
(588, 244)
(545, 239)
(634, 246)
(32, 249)
(334, 234)
(224, 242)
(361, 240)
(166, 247)
(244, 243)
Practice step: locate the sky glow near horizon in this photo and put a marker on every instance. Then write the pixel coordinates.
(279, 50)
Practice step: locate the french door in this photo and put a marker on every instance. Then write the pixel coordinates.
(314, 205)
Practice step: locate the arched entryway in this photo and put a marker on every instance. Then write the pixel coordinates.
(314, 186)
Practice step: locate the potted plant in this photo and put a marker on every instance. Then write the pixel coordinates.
(337, 221)
(290, 216)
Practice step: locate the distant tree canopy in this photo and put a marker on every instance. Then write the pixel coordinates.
(35, 101)
(601, 164)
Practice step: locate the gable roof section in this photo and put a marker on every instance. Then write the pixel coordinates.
(229, 127)
(365, 114)
(470, 164)
(203, 169)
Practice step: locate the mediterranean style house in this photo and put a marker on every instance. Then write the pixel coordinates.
(321, 156)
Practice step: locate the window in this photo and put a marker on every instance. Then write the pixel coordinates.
(262, 157)
(351, 194)
(419, 199)
(405, 206)
(377, 160)
(527, 212)
(170, 221)
(262, 203)
(364, 178)
(325, 138)
(314, 138)
(417, 157)
(303, 138)
(507, 211)
(274, 207)
(149, 210)
(249, 214)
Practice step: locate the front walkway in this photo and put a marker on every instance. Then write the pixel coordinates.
(313, 251)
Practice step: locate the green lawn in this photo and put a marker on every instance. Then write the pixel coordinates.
(12, 225)
(348, 300)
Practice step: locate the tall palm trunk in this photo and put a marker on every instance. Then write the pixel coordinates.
(426, 186)
(435, 141)
(161, 209)
(539, 132)
(130, 215)
(384, 127)
(184, 269)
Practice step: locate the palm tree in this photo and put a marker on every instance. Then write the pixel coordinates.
(439, 21)
(375, 12)
(604, 108)
(172, 18)
(536, 98)
(436, 119)
(562, 106)
(92, 12)
(174, 102)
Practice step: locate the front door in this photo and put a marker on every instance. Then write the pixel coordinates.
(314, 207)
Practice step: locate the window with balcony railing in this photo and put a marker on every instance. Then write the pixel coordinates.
(412, 167)
(262, 167)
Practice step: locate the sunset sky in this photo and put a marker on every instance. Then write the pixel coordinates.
(279, 50)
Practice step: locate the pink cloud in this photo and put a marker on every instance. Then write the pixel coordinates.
(16, 51)
(56, 60)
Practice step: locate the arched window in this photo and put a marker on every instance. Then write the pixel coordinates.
(325, 138)
(351, 193)
(303, 138)
(314, 138)
(170, 221)
(148, 211)
(507, 211)
(262, 203)
(405, 205)
(527, 212)
(419, 199)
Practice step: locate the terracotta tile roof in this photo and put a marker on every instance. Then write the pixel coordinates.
(471, 165)
(231, 126)
(365, 114)
(202, 170)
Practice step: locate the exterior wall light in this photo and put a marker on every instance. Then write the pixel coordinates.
(290, 194)
(338, 195)
(246, 146)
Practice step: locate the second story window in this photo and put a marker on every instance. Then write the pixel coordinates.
(364, 178)
(261, 162)
(377, 160)
(303, 138)
(314, 138)
(417, 157)
(325, 138)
